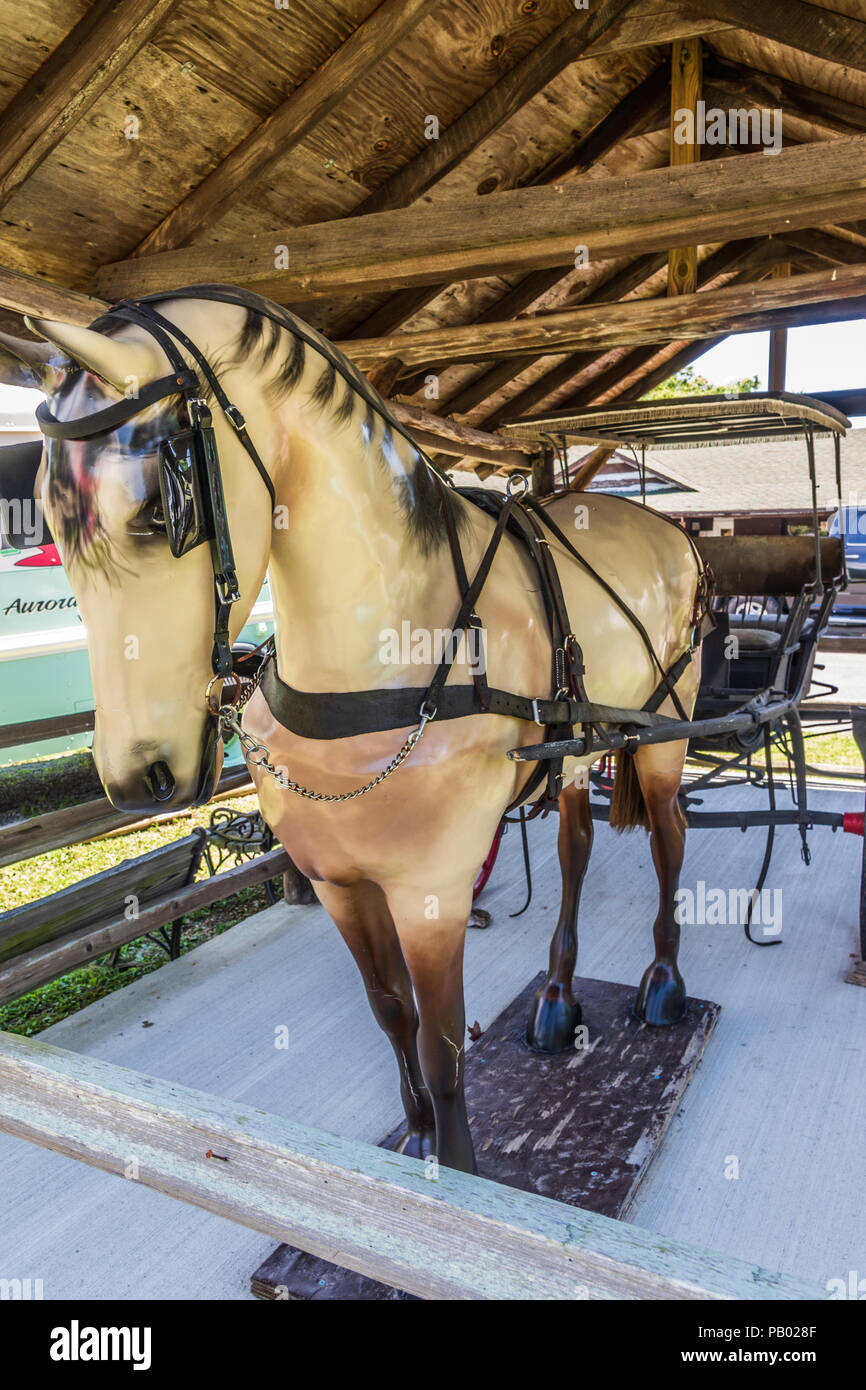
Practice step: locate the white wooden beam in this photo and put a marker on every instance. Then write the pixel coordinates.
(455, 1237)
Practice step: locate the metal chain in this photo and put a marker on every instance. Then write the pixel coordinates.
(259, 755)
(228, 715)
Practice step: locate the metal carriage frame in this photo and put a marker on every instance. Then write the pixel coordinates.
(736, 727)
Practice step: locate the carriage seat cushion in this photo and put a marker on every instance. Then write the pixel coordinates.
(758, 639)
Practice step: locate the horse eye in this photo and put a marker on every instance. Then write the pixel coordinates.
(149, 521)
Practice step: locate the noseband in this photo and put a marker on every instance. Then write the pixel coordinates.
(190, 482)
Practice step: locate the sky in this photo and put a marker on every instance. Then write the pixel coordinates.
(825, 357)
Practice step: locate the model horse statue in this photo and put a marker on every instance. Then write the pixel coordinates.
(355, 547)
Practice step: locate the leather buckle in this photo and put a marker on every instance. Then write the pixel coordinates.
(536, 714)
(227, 587)
(235, 417)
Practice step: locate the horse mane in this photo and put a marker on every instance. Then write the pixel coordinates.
(344, 394)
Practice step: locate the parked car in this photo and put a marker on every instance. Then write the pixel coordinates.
(850, 607)
(44, 670)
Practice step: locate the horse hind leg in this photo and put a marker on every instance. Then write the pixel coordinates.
(555, 1012)
(659, 767)
(363, 919)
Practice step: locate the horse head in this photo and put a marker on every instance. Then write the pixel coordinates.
(145, 589)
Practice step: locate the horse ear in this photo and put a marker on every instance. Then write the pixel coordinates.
(121, 363)
(25, 363)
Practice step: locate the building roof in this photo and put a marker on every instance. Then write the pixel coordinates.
(757, 477)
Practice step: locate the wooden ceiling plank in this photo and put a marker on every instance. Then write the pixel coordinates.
(540, 66)
(529, 228)
(287, 126)
(70, 81)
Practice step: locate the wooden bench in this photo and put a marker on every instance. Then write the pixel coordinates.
(45, 939)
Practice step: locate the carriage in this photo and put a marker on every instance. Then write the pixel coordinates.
(773, 597)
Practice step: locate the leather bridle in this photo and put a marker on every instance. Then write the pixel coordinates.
(190, 479)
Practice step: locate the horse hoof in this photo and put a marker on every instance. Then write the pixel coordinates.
(661, 999)
(417, 1143)
(555, 1016)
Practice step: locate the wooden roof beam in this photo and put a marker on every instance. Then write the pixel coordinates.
(637, 109)
(529, 228)
(27, 294)
(827, 296)
(82, 66)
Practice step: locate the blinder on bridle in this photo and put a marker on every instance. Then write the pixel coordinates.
(190, 481)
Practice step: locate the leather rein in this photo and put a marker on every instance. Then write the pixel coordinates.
(346, 714)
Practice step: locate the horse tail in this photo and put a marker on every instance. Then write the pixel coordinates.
(627, 806)
(628, 810)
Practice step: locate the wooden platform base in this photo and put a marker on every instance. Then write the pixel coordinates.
(857, 974)
(581, 1126)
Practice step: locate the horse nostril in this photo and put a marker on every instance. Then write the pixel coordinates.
(159, 781)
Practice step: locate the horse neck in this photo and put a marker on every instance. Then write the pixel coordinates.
(345, 568)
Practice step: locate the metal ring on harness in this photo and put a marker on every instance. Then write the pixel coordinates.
(222, 701)
(511, 487)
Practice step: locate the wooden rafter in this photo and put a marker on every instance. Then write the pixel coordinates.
(826, 296)
(82, 66)
(467, 397)
(529, 228)
(736, 256)
(27, 294)
(833, 37)
(289, 124)
(741, 85)
(651, 22)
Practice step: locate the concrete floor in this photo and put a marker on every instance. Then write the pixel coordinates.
(779, 1096)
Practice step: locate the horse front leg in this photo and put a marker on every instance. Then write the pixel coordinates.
(555, 1011)
(662, 993)
(364, 921)
(432, 932)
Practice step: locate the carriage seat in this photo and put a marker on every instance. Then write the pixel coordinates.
(758, 639)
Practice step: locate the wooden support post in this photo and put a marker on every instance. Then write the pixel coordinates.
(438, 1234)
(686, 81)
(778, 340)
(543, 476)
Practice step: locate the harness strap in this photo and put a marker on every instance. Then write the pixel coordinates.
(148, 317)
(609, 590)
(103, 421)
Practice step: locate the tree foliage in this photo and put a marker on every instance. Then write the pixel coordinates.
(689, 383)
